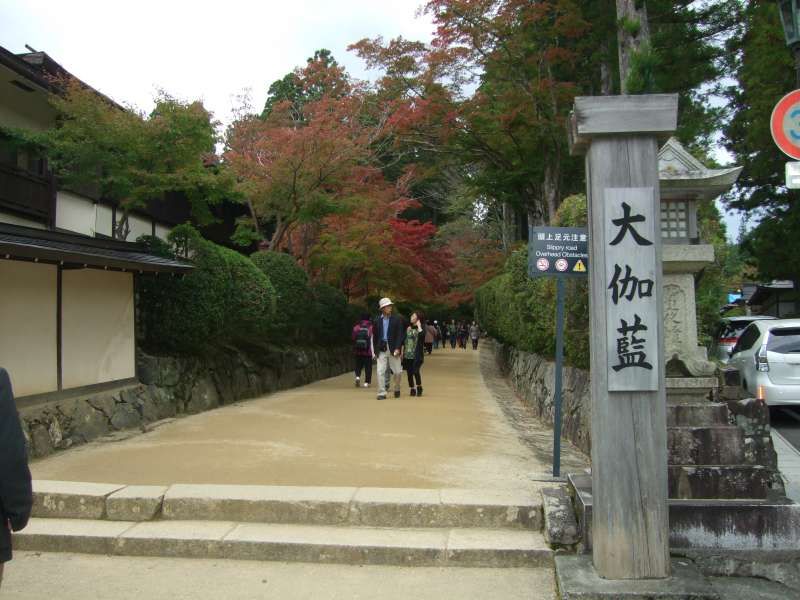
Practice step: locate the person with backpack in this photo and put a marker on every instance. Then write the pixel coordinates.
(364, 350)
(413, 355)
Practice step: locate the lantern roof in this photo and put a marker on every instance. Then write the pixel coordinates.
(682, 176)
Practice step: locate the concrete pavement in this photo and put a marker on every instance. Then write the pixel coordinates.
(33, 576)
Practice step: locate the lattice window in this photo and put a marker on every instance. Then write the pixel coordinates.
(676, 220)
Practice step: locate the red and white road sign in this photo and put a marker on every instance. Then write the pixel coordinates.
(785, 124)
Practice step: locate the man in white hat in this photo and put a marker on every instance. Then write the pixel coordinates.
(388, 337)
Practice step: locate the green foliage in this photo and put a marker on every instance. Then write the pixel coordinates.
(520, 311)
(631, 26)
(225, 300)
(132, 158)
(291, 287)
(712, 288)
(642, 74)
(331, 318)
(764, 72)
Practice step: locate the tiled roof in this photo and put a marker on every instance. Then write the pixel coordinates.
(50, 246)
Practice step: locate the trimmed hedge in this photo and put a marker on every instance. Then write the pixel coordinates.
(225, 300)
(520, 311)
(331, 319)
(292, 289)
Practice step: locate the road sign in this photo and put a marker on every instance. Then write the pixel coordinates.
(793, 175)
(558, 251)
(785, 124)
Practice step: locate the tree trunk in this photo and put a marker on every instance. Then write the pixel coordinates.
(550, 191)
(606, 80)
(508, 227)
(632, 32)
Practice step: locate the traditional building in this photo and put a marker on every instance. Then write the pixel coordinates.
(66, 286)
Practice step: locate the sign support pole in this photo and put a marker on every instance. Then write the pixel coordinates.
(559, 366)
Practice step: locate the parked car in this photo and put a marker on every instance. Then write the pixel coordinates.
(728, 332)
(767, 356)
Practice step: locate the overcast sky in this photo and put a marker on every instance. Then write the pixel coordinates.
(213, 51)
(199, 49)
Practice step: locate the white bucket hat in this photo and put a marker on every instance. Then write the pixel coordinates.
(384, 302)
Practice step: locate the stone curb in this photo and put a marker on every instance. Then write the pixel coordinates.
(366, 507)
(289, 543)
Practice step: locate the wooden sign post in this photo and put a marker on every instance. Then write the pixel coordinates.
(619, 135)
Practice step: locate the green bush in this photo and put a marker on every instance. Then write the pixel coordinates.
(520, 311)
(226, 299)
(291, 287)
(331, 316)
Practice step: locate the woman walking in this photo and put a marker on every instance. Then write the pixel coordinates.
(453, 333)
(413, 355)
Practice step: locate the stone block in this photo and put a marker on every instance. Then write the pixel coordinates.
(346, 545)
(497, 548)
(396, 507)
(70, 535)
(560, 525)
(715, 445)
(491, 509)
(259, 504)
(697, 415)
(202, 396)
(578, 580)
(125, 416)
(186, 539)
(70, 499)
(135, 503)
(720, 482)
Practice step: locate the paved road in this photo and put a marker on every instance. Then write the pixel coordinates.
(332, 433)
(786, 422)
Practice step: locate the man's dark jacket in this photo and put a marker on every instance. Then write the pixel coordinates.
(396, 333)
(16, 496)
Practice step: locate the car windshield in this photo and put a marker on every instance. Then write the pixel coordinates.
(784, 341)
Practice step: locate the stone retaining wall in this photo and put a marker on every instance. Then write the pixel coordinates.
(171, 386)
(532, 378)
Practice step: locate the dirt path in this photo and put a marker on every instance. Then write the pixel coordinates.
(329, 433)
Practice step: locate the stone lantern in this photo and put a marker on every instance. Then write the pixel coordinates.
(684, 182)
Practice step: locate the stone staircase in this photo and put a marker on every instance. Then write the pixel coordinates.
(369, 526)
(724, 490)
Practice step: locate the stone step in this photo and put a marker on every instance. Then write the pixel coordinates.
(289, 543)
(719, 482)
(697, 415)
(710, 445)
(371, 507)
(713, 525)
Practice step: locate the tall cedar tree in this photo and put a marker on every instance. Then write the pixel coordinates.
(764, 72)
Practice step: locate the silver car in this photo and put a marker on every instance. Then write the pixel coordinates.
(767, 357)
(728, 332)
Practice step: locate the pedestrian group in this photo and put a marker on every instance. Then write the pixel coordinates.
(397, 347)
